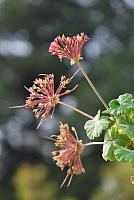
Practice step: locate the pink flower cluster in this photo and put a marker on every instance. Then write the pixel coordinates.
(43, 99)
(69, 154)
(69, 47)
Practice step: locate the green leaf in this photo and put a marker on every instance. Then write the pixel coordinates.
(124, 155)
(95, 127)
(122, 109)
(125, 98)
(123, 126)
(111, 139)
(128, 118)
(108, 147)
(121, 105)
(127, 129)
(130, 131)
(113, 104)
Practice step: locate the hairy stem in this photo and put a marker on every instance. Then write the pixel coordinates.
(92, 85)
(75, 109)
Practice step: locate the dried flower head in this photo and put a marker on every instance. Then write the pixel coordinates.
(69, 154)
(68, 47)
(42, 96)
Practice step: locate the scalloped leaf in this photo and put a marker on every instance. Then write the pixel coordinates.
(125, 98)
(95, 127)
(108, 147)
(130, 131)
(111, 139)
(121, 105)
(124, 155)
(129, 117)
(113, 105)
(127, 129)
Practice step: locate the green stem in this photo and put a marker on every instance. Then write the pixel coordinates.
(92, 85)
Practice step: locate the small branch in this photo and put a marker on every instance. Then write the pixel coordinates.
(75, 109)
(68, 91)
(93, 143)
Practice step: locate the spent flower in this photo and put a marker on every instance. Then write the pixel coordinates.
(69, 47)
(43, 98)
(69, 153)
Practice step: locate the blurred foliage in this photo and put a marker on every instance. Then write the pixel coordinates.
(30, 183)
(112, 187)
(26, 29)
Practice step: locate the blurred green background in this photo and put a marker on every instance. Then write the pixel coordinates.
(27, 27)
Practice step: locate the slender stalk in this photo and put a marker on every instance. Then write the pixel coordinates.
(74, 74)
(93, 143)
(92, 85)
(22, 106)
(75, 109)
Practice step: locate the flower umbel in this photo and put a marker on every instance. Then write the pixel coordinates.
(69, 154)
(42, 96)
(69, 47)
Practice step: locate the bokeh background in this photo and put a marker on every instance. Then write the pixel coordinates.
(27, 27)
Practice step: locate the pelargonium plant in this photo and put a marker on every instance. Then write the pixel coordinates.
(116, 122)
